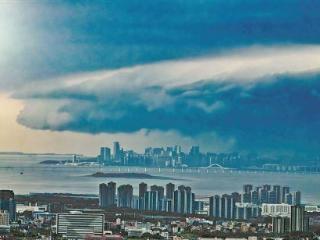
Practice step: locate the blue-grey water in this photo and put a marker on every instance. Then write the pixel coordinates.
(24, 174)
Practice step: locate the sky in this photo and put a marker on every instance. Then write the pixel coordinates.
(225, 75)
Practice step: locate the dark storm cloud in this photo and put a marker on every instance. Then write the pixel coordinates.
(265, 98)
(51, 39)
(271, 106)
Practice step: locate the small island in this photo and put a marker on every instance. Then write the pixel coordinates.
(53, 162)
(128, 175)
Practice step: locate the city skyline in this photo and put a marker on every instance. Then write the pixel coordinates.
(162, 119)
(246, 81)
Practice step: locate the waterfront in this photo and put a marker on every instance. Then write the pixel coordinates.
(24, 174)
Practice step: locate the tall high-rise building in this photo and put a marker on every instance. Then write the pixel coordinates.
(227, 206)
(143, 188)
(255, 197)
(194, 158)
(105, 155)
(284, 191)
(116, 152)
(177, 149)
(183, 199)
(246, 197)
(125, 196)
(107, 195)
(195, 150)
(236, 197)
(247, 188)
(222, 206)
(288, 199)
(277, 190)
(298, 221)
(189, 200)
(273, 197)
(280, 225)
(8, 203)
(152, 201)
(103, 195)
(263, 195)
(158, 189)
(266, 187)
(297, 198)
(170, 187)
(111, 194)
(215, 206)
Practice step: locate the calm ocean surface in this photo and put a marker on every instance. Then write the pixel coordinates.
(72, 179)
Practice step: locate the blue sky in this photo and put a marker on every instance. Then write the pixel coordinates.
(232, 75)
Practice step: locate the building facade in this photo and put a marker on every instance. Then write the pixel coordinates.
(79, 225)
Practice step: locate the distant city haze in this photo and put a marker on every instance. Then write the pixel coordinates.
(17, 138)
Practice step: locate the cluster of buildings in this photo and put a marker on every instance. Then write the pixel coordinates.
(165, 157)
(227, 214)
(156, 198)
(12, 215)
(296, 222)
(277, 202)
(7, 207)
(254, 202)
(77, 224)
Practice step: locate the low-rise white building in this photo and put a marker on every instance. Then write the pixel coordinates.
(4, 217)
(20, 208)
(275, 210)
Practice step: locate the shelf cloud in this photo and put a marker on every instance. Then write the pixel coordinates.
(258, 96)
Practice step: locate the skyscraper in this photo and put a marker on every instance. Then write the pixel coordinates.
(227, 206)
(288, 198)
(8, 203)
(284, 191)
(194, 158)
(105, 155)
(277, 190)
(272, 197)
(111, 194)
(125, 196)
(215, 206)
(280, 225)
(247, 188)
(107, 194)
(183, 199)
(266, 187)
(236, 196)
(297, 198)
(169, 190)
(255, 197)
(263, 195)
(298, 223)
(222, 207)
(143, 187)
(116, 152)
(189, 200)
(103, 195)
(158, 189)
(246, 197)
(154, 201)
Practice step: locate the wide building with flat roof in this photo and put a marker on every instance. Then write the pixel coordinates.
(80, 225)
